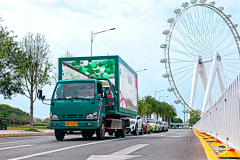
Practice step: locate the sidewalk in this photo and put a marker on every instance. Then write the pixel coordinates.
(21, 133)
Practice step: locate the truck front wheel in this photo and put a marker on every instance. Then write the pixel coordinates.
(59, 134)
(101, 131)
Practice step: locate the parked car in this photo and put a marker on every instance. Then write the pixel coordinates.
(174, 126)
(153, 125)
(146, 126)
(164, 126)
(136, 126)
(160, 126)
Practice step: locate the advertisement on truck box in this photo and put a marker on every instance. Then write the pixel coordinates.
(128, 88)
(84, 69)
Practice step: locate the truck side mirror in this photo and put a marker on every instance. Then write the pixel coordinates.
(43, 97)
(39, 94)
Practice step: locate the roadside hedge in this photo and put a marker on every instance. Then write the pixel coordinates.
(40, 124)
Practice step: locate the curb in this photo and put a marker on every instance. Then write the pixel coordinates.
(26, 134)
(208, 150)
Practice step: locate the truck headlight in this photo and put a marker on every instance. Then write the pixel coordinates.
(92, 116)
(54, 117)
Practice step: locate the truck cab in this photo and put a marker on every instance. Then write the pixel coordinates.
(80, 105)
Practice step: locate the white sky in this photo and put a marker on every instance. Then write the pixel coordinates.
(68, 25)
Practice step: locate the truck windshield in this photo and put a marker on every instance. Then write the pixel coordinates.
(74, 90)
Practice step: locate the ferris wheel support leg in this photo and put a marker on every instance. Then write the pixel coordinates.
(222, 77)
(194, 82)
(214, 69)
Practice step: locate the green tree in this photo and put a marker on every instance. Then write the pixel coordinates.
(9, 60)
(177, 120)
(55, 67)
(195, 116)
(4, 119)
(36, 68)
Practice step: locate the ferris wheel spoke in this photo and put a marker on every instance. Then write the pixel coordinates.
(179, 60)
(226, 47)
(182, 71)
(183, 68)
(215, 49)
(181, 52)
(185, 37)
(185, 46)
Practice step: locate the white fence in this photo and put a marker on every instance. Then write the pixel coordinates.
(222, 120)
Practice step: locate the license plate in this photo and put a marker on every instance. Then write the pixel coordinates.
(71, 124)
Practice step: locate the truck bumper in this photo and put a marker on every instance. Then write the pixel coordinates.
(81, 125)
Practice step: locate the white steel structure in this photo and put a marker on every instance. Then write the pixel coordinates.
(202, 42)
(222, 120)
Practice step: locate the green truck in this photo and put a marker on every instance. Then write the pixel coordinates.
(93, 95)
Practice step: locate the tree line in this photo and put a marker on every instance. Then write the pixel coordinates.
(148, 105)
(15, 116)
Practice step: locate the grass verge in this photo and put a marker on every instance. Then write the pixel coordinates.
(25, 127)
(32, 130)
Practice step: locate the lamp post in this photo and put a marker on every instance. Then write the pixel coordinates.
(94, 34)
(162, 96)
(157, 91)
(141, 70)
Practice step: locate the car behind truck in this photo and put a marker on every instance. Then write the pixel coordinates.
(93, 95)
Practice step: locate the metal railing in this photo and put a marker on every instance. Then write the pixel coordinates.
(222, 120)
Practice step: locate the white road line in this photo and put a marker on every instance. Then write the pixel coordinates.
(119, 155)
(61, 149)
(26, 141)
(15, 147)
(129, 149)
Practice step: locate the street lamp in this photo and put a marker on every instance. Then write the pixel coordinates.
(141, 70)
(157, 91)
(162, 96)
(93, 35)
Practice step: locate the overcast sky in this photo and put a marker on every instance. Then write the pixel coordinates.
(67, 25)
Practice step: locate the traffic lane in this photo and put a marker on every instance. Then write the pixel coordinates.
(39, 147)
(99, 149)
(107, 148)
(157, 144)
(175, 146)
(42, 145)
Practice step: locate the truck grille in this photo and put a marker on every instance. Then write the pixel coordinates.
(72, 116)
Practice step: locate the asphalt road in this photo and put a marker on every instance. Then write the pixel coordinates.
(167, 145)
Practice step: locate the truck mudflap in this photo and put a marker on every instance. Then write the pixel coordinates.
(113, 123)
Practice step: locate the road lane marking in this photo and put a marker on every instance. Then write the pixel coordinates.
(25, 141)
(119, 155)
(71, 147)
(129, 149)
(61, 149)
(15, 147)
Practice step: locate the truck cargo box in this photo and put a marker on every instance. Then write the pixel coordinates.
(121, 75)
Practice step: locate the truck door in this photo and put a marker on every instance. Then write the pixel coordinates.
(100, 100)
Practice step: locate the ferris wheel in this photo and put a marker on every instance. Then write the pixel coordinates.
(201, 54)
